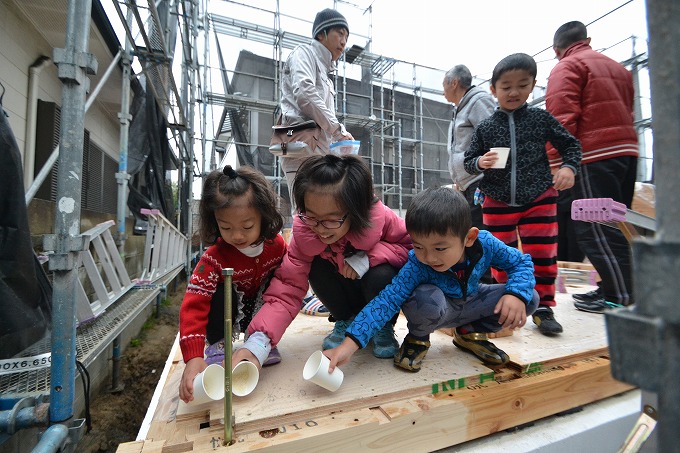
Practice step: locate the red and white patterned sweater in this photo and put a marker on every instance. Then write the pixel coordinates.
(249, 275)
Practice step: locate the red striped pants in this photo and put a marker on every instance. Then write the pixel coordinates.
(536, 226)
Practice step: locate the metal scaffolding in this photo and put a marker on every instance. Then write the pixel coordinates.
(402, 123)
(387, 115)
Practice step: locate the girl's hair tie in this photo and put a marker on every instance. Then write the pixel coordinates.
(230, 172)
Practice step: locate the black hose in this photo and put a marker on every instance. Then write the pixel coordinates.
(85, 376)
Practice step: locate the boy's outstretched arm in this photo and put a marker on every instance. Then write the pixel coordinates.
(341, 355)
(512, 311)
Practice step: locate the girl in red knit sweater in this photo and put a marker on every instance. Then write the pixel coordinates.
(238, 216)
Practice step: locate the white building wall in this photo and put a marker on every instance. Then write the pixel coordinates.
(21, 46)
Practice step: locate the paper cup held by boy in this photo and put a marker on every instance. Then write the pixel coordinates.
(209, 384)
(316, 371)
(244, 378)
(502, 157)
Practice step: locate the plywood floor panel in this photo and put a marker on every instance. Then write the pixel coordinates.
(368, 380)
(584, 335)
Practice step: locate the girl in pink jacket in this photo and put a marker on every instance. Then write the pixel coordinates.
(346, 243)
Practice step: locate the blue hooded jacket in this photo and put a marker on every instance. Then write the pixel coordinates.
(485, 252)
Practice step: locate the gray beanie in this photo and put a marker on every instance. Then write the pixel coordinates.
(328, 18)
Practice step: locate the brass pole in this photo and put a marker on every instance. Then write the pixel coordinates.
(228, 420)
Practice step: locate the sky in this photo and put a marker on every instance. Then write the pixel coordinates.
(440, 34)
(456, 32)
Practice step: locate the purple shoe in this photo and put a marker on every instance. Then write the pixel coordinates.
(273, 358)
(215, 353)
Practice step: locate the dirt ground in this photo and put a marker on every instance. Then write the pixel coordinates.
(117, 417)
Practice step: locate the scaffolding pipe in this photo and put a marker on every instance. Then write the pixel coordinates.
(74, 63)
(664, 62)
(122, 178)
(382, 140)
(186, 165)
(415, 129)
(187, 97)
(399, 154)
(637, 115)
(277, 52)
(396, 149)
(26, 413)
(116, 356)
(53, 440)
(204, 116)
(124, 117)
(422, 145)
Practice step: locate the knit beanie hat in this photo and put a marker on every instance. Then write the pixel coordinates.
(328, 18)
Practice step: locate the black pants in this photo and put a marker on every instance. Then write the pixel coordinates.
(476, 217)
(606, 247)
(567, 241)
(475, 209)
(345, 297)
(215, 328)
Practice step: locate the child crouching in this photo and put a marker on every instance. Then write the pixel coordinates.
(439, 286)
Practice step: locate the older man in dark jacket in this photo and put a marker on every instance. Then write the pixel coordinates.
(592, 96)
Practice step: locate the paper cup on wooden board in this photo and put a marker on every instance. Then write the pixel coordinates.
(502, 157)
(209, 385)
(244, 378)
(316, 371)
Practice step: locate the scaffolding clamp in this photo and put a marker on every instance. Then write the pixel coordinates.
(64, 260)
(75, 66)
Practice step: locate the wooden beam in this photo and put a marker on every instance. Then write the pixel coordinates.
(428, 422)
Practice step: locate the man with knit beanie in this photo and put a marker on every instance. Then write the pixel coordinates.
(307, 93)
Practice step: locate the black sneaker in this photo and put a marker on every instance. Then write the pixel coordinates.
(545, 320)
(411, 354)
(477, 343)
(590, 295)
(596, 306)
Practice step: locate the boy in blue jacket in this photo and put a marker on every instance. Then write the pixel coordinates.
(439, 286)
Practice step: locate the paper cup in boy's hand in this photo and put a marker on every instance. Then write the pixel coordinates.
(209, 385)
(316, 371)
(502, 157)
(244, 378)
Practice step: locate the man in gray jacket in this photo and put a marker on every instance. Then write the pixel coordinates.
(471, 106)
(307, 92)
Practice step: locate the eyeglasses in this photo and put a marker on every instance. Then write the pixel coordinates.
(330, 224)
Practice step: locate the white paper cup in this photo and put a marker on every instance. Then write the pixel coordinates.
(244, 378)
(209, 385)
(316, 371)
(502, 157)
